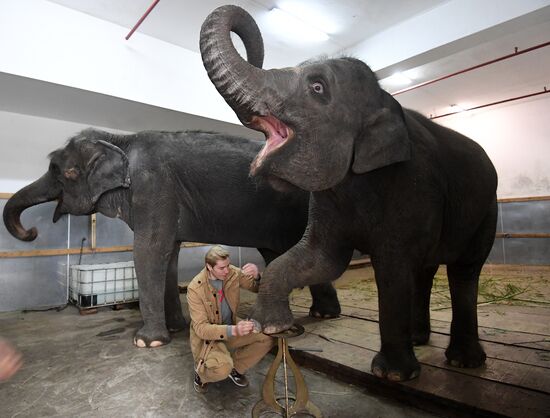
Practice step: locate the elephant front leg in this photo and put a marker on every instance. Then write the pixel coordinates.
(151, 261)
(396, 360)
(303, 265)
(324, 300)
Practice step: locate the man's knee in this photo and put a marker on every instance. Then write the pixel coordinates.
(216, 369)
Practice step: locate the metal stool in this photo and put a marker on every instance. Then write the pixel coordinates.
(301, 403)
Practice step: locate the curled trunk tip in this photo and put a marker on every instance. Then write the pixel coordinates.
(42, 190)
(235, 79)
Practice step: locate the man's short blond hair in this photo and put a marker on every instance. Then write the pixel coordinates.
(214, 254)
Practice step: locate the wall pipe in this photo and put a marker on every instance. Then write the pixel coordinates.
(492, 104)
(435, 80)
(140, 21)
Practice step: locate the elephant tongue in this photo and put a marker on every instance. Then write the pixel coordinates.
(276, 132)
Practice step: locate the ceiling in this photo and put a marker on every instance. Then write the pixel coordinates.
(178, 22)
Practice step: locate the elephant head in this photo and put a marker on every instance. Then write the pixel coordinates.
(78, 175)
(321, 118)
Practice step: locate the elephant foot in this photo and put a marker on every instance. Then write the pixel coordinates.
(421, 327)
(421, 337)
(325, 301)
(398, 369)
(176, 323)
(274, 319)
(151, 336)
(322, 314)
(465, 355)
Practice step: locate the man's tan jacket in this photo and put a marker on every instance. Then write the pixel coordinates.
(205, 312)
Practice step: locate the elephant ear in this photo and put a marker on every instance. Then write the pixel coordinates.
(384, 140)
(107, 169)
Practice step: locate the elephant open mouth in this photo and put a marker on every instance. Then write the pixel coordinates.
(276, 133)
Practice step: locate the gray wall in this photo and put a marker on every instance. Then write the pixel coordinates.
(518, 218)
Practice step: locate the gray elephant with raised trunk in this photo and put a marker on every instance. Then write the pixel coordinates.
(384, 180)
(170, 187)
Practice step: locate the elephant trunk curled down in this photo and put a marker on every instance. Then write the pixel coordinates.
(384, 180)
(41, 191)
(170, 187)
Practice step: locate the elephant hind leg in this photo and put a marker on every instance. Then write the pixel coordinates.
(464, 349)
(175, 320)
(324, 302)
(420, 318)
(268, 255)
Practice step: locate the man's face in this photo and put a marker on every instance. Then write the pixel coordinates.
(221, 270)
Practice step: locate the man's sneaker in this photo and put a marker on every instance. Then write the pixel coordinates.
(239, 379)
(198, 385)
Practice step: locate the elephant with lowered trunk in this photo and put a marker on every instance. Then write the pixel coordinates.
(384, 180)
(170, 187)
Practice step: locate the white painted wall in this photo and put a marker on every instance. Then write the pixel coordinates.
(26, 142)
(49, 42)
(517, 139)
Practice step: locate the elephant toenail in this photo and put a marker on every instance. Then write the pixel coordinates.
(270, 330)
(394, 376)
(378, 372)
(140, 343)
(155, 344)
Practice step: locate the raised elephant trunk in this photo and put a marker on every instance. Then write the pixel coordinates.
(42, 190)
(237, 81)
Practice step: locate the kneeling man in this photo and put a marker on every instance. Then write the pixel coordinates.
(222, 346)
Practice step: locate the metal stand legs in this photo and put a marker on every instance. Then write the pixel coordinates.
(300, 403)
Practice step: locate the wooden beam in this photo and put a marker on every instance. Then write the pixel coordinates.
(523, 199)
(87, 250)
(360, 261)
(63, 251)
(511, 235)
(93, 230)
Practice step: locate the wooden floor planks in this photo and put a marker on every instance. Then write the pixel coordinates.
(515, 382)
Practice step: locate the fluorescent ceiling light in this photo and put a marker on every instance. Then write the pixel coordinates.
(315, 17)
(292, 26)
(397, 79)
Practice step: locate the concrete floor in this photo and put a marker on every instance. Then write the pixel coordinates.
(86, 366)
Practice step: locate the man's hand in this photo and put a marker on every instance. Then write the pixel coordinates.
(10, 360)
(243, 328)
(251, 270)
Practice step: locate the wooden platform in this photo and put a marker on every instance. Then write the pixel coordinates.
(514, 319)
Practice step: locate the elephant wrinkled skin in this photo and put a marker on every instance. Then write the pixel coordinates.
(170, 187)
(384, 180)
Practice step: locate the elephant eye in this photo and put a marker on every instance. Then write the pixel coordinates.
(318, 87)
(72, 173)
